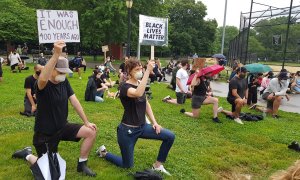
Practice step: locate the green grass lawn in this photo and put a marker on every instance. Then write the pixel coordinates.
(202, 149)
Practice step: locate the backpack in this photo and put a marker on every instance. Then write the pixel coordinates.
(251, 117)
(147, 174)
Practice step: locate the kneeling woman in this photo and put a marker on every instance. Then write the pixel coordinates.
(95, 87)
(133, 126)
(202, 94)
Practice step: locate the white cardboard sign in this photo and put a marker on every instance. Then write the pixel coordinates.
(56, 25)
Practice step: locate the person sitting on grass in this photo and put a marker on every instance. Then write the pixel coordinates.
(133, 125)
(237, 94)
(75, 65)
(106, 78)
(30, 98)
(295, 86)
(202, 94)
(108, 64)
(95, 87)
(15, 61)
(275, 92)
(181, 85)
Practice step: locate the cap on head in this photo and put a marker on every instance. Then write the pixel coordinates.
(283, 76)
(62, 66)
(241, 69)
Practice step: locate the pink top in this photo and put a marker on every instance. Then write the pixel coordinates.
(265, 82)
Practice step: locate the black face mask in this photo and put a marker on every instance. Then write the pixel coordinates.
(15, 53)
(38, 73)
(242, 76)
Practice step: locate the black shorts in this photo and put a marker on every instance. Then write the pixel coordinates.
(1, 72)
(232, 102)
(269, 102)
(181, 97)
(67, 133)
(13, 67)
(197, 101)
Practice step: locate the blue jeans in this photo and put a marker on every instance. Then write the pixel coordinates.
(127, 138)
(99, 96)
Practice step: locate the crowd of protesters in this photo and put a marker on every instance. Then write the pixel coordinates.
(48, 91)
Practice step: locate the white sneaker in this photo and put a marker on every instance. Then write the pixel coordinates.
(166, 98)
(220, 109)
(161, 169)
(101, 151)
(238, 120)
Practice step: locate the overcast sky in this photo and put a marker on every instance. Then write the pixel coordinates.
(215, 9)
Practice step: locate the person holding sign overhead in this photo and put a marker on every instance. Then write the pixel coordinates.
(53, 91)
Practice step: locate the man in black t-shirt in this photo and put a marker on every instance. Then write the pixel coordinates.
(53, 91)
(238, 93)
(30, 99)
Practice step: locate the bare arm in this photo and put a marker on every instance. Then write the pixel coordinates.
(28, 93)
(78, 108)
(47, 71)
(149, 112)
(235, 94)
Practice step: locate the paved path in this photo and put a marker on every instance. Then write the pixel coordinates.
(221, 89)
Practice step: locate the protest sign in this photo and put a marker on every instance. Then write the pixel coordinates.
(56, 25)
(153, 31)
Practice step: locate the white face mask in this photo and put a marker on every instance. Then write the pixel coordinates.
(138, 75)
(60, 78)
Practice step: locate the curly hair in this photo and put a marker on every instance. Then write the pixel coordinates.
(292, 173)
(131, 63)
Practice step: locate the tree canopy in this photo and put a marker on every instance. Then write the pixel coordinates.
(105, 22)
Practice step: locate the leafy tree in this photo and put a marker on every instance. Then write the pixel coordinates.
(17, 22)
(188, 24)
(230, 33)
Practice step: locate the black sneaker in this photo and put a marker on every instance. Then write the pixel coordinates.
(216, 120)
(294, 145)
(182, 111)
(275, 116)
(21, 154)
(82, 167)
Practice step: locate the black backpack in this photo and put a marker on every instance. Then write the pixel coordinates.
(251, 117)
(147, 174)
